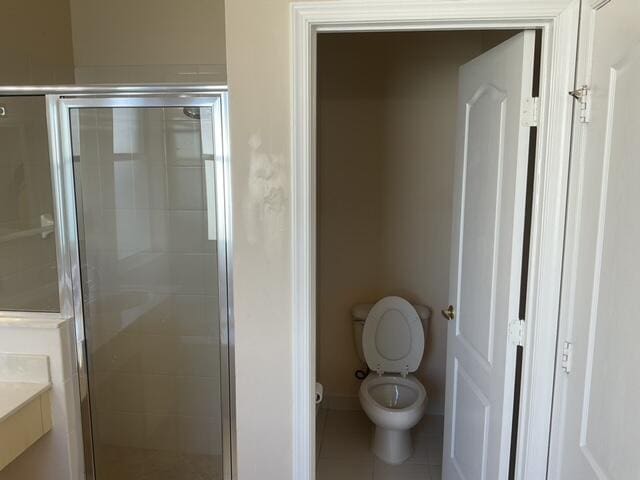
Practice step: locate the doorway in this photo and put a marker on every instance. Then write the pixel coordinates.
(386, 159)
(558, 26)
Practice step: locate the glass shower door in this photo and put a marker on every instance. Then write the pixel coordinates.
(149, 208)
(28, 269)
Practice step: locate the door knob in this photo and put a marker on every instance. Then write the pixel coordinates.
(449, 313)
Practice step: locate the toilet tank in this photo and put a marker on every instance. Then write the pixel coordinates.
(359, 315)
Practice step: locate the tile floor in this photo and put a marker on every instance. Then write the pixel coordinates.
(343, 439)
(127, 463)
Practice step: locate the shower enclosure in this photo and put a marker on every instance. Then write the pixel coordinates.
(141, 212)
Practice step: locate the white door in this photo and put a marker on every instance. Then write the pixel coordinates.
(596, 419)
(489, 210)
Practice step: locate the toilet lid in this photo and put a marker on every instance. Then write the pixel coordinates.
(393, 337)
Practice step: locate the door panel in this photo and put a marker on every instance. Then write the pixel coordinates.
(491, 166)
(484, 124)
(597, 428)
(471, 407)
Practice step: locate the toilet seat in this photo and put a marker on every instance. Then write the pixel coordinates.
(393, 337)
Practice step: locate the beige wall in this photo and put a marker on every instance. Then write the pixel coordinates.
(148, 41)
(35, 42)
(351, 184)
(386, 147)
(258, 73)
(51, 42)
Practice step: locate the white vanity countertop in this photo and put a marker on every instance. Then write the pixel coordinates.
(25, 403)
(14, 395)
(41, 321)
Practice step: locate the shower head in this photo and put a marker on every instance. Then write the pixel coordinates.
(192, 112)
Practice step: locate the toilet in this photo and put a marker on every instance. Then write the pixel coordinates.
(391, 339)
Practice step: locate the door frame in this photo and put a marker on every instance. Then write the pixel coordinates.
(558, 21)
(59, 105)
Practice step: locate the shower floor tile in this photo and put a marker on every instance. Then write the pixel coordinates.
(344, 449)
(125, 463)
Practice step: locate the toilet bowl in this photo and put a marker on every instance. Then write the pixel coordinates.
(395, 404)
(393, 399)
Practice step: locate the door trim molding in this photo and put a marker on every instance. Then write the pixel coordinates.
(558, 20)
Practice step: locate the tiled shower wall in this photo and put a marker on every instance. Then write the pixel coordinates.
(150, 281)
(28, 273)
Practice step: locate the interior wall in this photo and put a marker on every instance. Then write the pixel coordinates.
(386, 147)
(35, 43)
(120, 41)
(258, 68)
(61, 42)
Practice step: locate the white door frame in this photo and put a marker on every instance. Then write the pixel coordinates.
(558, 20)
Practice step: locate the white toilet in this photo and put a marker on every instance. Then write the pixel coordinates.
(391, 336)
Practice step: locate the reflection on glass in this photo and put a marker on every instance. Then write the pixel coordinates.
(150, 285)
(28, 271)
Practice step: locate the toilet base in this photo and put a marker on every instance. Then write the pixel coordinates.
(392, 446)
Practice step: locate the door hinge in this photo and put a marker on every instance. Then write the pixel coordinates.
(583, 96)
(530, 111)
(516, 332)
(567, 356)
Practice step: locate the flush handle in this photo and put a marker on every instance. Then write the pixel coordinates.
(449, 313)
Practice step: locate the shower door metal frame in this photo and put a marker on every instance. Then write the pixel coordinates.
(59, 106)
